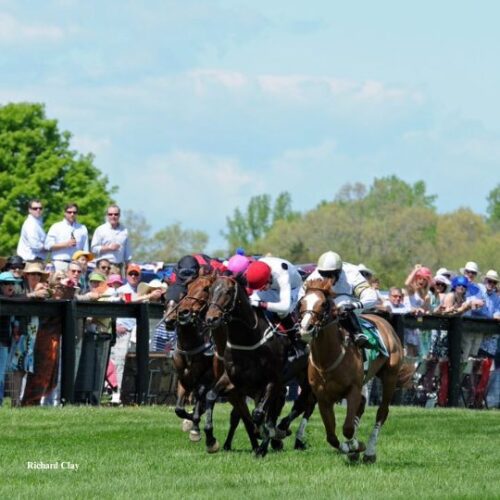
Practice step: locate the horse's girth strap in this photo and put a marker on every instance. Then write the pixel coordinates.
(332, 367)
(262, 341)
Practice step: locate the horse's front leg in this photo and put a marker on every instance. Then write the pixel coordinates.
(328, 416)
(351, 423)
(180, 403)
(199, 408)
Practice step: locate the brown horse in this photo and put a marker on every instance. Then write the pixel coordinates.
(194, 306)
(336, 368)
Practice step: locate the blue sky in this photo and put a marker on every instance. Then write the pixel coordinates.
(193, 107)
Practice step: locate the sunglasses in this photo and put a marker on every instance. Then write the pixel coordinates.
(113, 215)
(133, 273)
(71, 212)
(397, 296)
(76, 271)
(36, 208)
(470, 272)
(441, 284)
(105, 268)
(491, 282)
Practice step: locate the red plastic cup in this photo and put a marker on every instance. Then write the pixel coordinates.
(127, 296)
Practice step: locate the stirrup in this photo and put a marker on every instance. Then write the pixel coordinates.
(361, 340)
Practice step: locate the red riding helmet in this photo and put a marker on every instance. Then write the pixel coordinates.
(258, 274)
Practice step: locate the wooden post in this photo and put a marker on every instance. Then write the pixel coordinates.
(398, 323)
(68, 353)
(142, 354)
(454, 353)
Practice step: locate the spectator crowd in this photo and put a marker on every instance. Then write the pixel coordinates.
(63, 264)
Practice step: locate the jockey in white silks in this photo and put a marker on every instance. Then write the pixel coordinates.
(275, 285)
(353, 292)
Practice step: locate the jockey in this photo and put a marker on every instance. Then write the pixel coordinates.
(276, 285)
(351, 289)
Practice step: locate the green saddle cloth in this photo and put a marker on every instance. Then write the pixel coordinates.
(375, 340)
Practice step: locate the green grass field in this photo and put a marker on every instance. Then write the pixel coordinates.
(140, 452)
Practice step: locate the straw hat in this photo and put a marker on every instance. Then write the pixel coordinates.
(491, 275)
(82, 253)
(145, 288)
(36, 268)
(470, 266)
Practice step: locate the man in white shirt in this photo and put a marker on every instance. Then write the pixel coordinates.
(111, 241)
(31, 242)
(66, 237)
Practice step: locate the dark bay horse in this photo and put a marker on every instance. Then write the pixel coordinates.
(193, 305)
(254, 359)
(193, 363)
(336, 368)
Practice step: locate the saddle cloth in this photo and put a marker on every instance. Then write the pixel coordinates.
(375, 340)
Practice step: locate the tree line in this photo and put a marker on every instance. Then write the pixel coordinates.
(389, 225)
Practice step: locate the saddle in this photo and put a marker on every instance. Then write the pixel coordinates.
(378, 347)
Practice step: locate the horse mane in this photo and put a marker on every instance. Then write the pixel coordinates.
(322, 284)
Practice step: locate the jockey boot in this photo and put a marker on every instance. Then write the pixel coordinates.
(298, 347)
(351, 323)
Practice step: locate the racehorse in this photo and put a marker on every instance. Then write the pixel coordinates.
(193, 306)
(254, 359)
(336, 368)
(193, 362)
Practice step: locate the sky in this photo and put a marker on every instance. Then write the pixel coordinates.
(192, 107)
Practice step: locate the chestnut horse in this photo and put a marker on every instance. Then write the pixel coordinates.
(336, 368)
(194, 305)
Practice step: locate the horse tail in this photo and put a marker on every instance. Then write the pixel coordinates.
(405, 375)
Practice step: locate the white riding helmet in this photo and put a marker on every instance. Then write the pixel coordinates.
(329, 261)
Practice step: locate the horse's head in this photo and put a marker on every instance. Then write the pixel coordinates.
(223, 297)
(170, 315)
(193, 305)
(316, 308)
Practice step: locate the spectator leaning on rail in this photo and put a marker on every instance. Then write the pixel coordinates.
(352, 292)
(32, 239)
(111, 241)
(9, 326)
(66, 237)
(22, 351)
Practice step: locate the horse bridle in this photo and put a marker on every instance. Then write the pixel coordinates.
(323, 316)
(226, 314)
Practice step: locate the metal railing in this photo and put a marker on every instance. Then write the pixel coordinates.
(70, 310)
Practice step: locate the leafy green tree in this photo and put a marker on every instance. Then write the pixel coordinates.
(245, 229)
(172, 242)
(36, 162)
(493, 209)
(167, 244)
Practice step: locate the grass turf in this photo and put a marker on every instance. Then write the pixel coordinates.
(140, 452)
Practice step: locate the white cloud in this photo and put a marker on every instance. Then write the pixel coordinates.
(197, 190)
(15, 31)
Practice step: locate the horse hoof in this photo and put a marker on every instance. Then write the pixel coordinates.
(227, 447)
(214, 448)
(280, 434)
(194, 436)
(261, 452)
(353, 457)
(186, 425)
(344, 448)
(300, 445)
(369, 459)
(276, 445)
